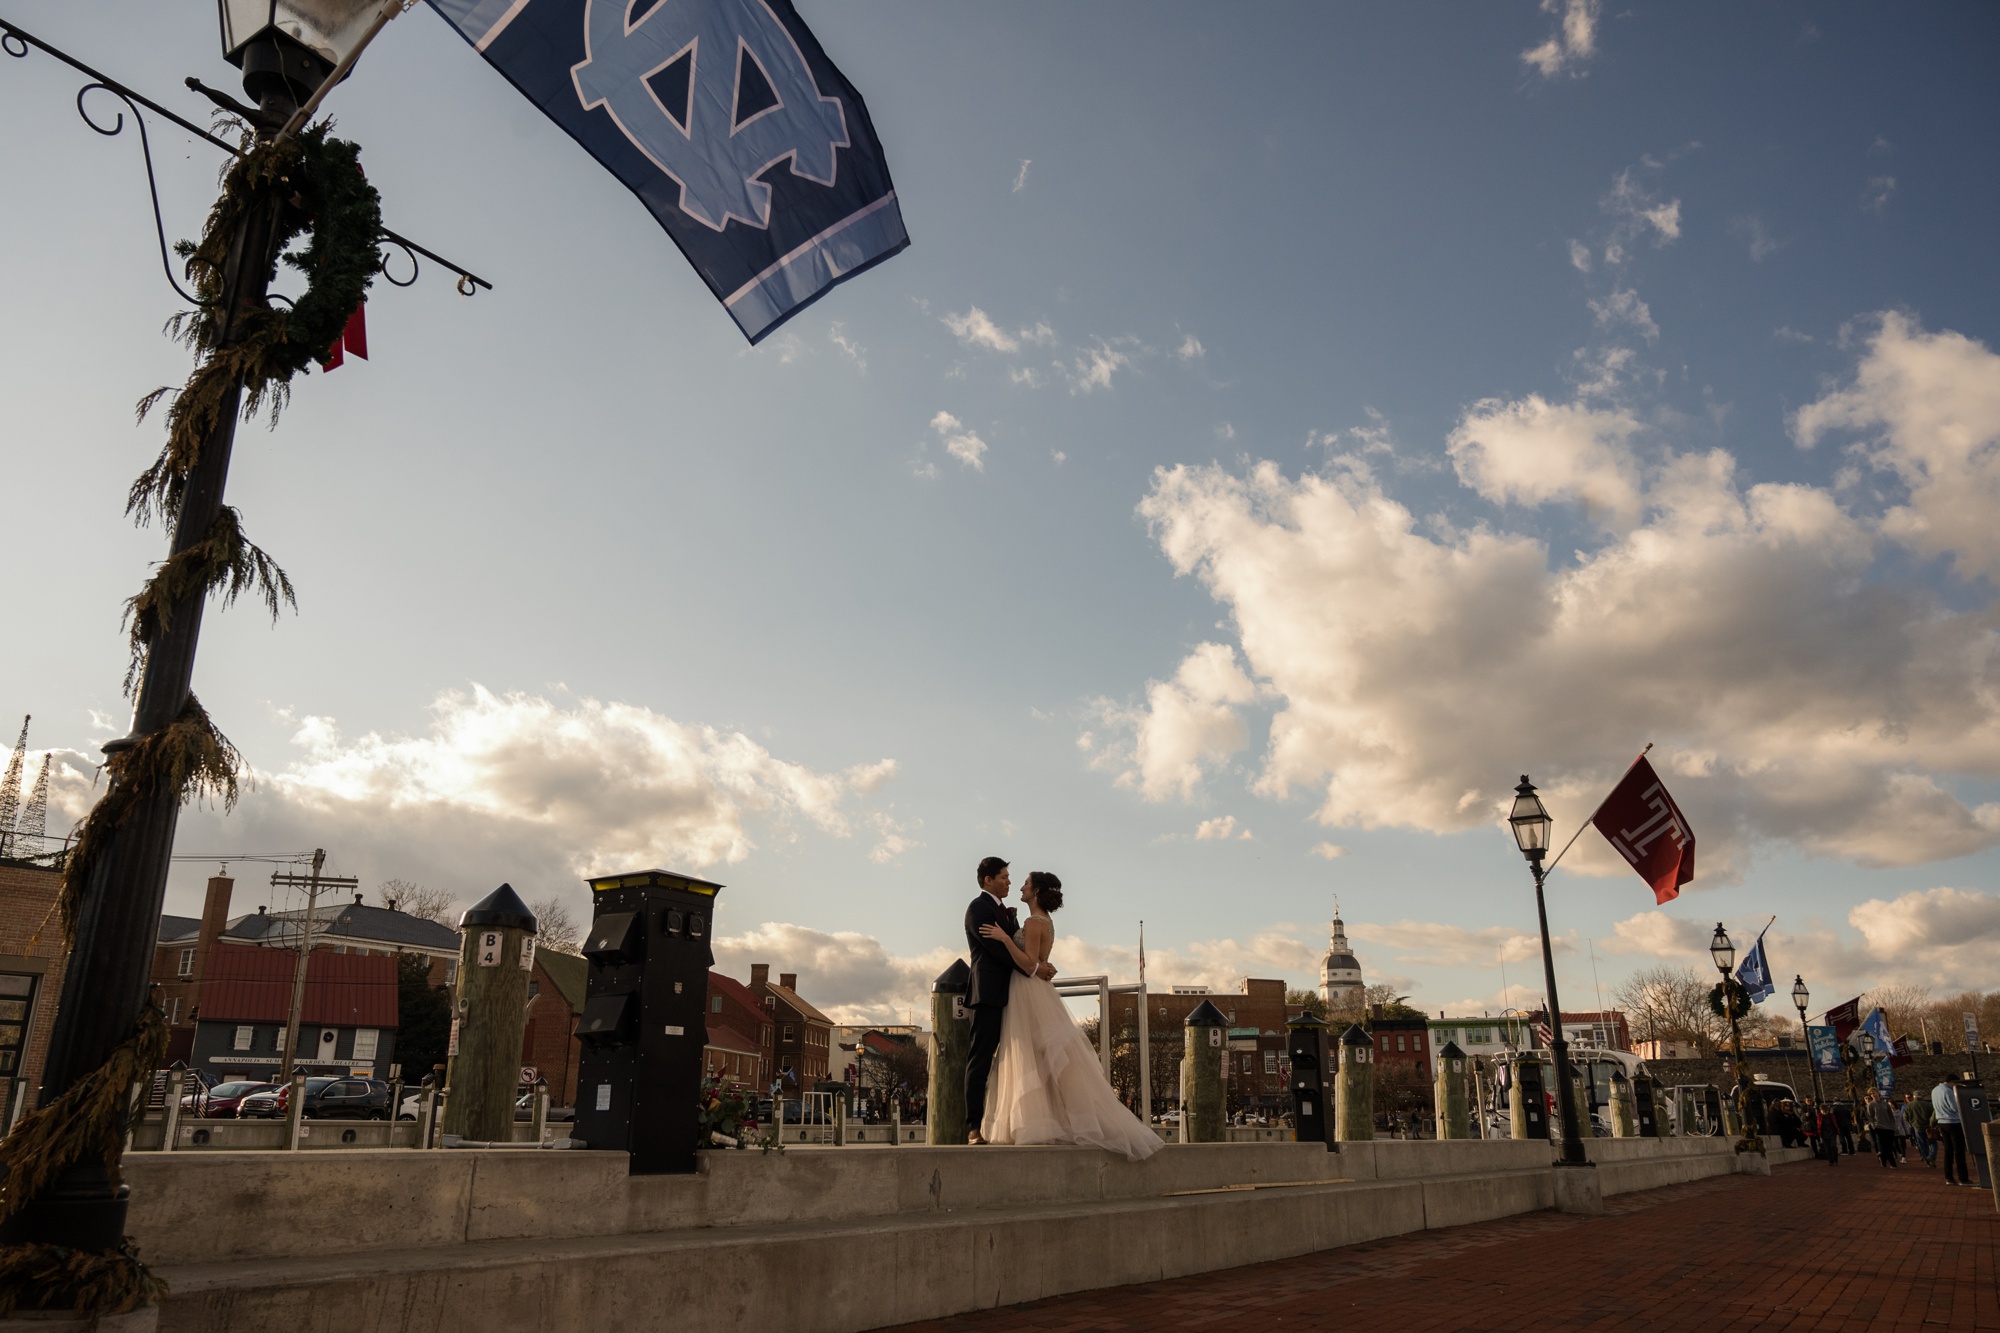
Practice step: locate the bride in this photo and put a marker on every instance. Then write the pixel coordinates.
(1047, 1085)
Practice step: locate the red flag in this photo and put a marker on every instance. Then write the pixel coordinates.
(353, 338)
(1641, 820)
(1844, 1018)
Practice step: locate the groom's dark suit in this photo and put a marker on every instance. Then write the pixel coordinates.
(992, 973)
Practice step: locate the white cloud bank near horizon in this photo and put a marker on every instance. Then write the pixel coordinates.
(1802, 689)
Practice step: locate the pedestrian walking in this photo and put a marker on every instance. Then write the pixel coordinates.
(1951, 1130)
(1923, 1121)
(1829, 1135)
(1899, 1106)
(1881, 1120)
(1843, 1117)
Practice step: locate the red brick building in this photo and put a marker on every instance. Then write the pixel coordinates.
(31, 974)
(1401, 1041)
(802, 1037)
(742, 1034)
(548, 1043)
(1257, 1065)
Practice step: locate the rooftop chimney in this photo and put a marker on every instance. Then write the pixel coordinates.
(760, 976)
(357, 900)
(260, 908)
(789, 980)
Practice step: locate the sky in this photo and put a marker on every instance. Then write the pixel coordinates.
(1289, 425)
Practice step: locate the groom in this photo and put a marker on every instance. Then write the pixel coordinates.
(992, 973)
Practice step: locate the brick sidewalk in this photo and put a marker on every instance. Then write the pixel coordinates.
(1812, 1248)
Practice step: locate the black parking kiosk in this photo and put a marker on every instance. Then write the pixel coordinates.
(1312, 1112)
(1643, 1086)
(644, 1020)
(1974, 1110)
(1527, 1072)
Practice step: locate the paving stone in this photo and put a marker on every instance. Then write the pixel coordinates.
(1811, 1249)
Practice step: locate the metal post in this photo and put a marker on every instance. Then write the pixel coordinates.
(289, 1052)
(176, 1085)
(1145, 1059)
(295, 1112)
(1812, 1059)
(1746, 1113)
(1572, 1135)
(118, 919)
(1104, 1024)
(540, 1123)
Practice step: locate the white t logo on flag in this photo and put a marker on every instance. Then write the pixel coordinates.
(1664, 820)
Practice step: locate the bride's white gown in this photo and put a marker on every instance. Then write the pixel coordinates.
(1048, 1085)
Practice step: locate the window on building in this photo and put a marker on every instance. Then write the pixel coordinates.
(1270, 1062)
(1418, 1041)
(173, 1011)
(715, 1004)
(1399, 1041)
(187, 962)
(1246, 1062)
(451, 973)
(245, 1036)
(788, 1032)
(364, 1045)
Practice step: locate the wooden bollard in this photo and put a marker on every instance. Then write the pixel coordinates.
(1354, 1092)
(1201, 1074)
(1624, 1112)
(492, 1012)
(1527, 1099)
(1454, 1117)
(951, 1031)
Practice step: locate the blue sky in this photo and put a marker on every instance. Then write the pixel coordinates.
(1542, 380)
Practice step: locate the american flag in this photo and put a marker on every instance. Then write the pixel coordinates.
(1544, 1035)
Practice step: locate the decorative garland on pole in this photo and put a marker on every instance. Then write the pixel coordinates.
(313, 185)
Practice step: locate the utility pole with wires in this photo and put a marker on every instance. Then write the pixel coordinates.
(312, 884)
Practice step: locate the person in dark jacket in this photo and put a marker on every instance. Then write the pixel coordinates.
(1882, 1128)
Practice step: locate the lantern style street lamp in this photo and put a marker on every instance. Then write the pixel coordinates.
(1530, 822)
(291, 53)
(1724, 953)
(1802, 997)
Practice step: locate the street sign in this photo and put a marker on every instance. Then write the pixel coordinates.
(528, 1075)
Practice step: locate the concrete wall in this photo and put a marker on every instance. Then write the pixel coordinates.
(810, 1240)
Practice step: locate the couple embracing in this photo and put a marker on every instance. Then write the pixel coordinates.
(1030, 1076)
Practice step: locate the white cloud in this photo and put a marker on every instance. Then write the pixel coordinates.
(1532, 451)
(1573, 42)
(1094, 366)
(1638, 211)
(1800, 691)
(1437, 944)
(1331, 851)
(976, 328)
(1761, 244)
(1657, 935)
(1221, 829)
(1881, 189)
(1058, 457)
(960, 443)
(854, 350)
(1026, 376)
(1943, 937)
(1191, 349)
(1623, 306)
(1579, 256)
(1021, 176)
(1929, 407)
(1188, 724)
(848, 976)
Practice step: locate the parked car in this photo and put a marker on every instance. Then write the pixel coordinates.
(524, 1109)
(225, 1100)
(326, 1098)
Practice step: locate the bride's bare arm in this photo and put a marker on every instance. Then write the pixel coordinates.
(1021, 959)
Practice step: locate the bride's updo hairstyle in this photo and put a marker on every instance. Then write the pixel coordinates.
(1048, 890)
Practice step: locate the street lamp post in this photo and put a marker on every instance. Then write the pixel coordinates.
(1531, 823)
(285, 60)
(1802, 997)
(1724, 953)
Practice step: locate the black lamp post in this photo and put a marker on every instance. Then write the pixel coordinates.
(1724, 953)
(287, 51)
(1531, 824)
(1802, 997)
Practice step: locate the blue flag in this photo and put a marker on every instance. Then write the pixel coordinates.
(1755, 972)
(726, 119)
(1877, 1025)
(1825, 1045)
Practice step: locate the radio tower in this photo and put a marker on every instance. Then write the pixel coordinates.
(10, 790)
(35, 815)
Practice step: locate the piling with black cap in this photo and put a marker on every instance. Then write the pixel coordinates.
(1201, 1075)
(1354, 1106)
(496, 956)
(951, 1031)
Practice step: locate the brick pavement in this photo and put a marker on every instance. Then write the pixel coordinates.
(1812, 1248)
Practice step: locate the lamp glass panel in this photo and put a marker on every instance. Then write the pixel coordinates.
(330, 27)
(242, 20)
(1722, 950)
(1531, 823)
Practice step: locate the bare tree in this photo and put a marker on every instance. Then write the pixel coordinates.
(555, 929)
(1669, 1003)
(1902, 1006)
(419, 900)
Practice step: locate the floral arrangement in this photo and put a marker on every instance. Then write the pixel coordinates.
(726, 1115)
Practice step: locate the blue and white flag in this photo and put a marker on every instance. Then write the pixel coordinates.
(726, 119)
(1755, 972)
(1877, 1024)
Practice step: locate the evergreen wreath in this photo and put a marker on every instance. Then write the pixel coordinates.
(312, 185)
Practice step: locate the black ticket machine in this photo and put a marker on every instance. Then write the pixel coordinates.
(644, 1020)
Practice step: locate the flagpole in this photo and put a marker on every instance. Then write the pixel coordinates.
(1593, 814)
